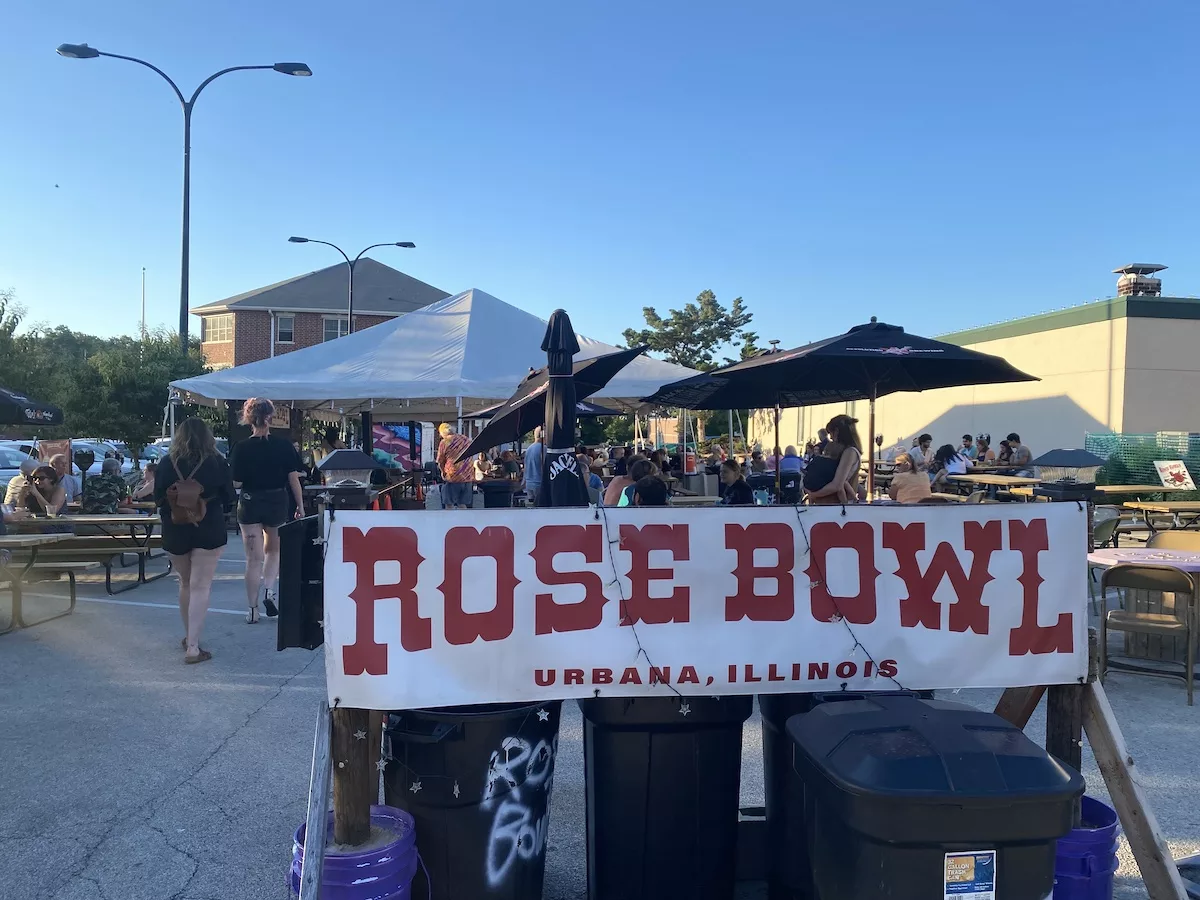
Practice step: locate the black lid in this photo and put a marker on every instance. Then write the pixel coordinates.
(348, 460)
(928, 749)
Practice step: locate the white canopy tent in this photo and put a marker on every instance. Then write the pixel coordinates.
(462, 353)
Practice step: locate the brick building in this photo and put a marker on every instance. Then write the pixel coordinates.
(305, 310)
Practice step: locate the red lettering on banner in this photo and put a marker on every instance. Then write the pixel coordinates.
(868, 668)
(586, 614)
(660, 676)
(542, 679)
(818, 671)
(981, 539)
(398, 545)
(747, 603)
(572, 676)
(631, 676)
(887, 668)
(857, 536)
(1029, 539)
(846, 669)
(465, 543)
(750, 676)
(641, 607)
(602, 676)
(773, 673)
(687, 675)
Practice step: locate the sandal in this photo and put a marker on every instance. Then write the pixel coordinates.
(202, 656)
(252, 615)
(269, 603)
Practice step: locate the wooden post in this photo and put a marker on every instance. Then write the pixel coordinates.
(316, 828)
(1064, 723)
(1159, 873)
(353, 776)
(1017, 705)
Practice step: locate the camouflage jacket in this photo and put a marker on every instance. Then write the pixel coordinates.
(102, 494)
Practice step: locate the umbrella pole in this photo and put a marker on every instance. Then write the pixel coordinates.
(775, 451)
(871, 445)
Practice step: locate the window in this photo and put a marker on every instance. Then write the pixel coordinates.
(335, 327)
(216, 329)
(285, 329)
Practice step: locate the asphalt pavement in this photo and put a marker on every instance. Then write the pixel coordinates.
(127, 775)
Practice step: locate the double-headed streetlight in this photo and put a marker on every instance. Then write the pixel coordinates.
(83, 51)
(351, 263)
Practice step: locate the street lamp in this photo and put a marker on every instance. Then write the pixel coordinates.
(83, 51)
(351, 263)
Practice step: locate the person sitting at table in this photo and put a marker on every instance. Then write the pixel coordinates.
(650, 491)
(845, 447)
(983, 450)
(758, 465)
(15, 493)
(623, 461)
(43, 495)
(639, 469)
(594, 481)
(482, 467)
(791, 462)
(946, 462)
(620, 481)
(106, 494)
(659, 458)
(1021, 456)
(908, 485)
(968, 447)
(1004, 457)
(922, 452)
(145, 490)
(70, 483)
(737, 491)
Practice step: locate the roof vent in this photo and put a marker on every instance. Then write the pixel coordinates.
(1136, 280)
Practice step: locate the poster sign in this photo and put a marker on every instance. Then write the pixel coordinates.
(970, 876)
(1174, 474)
(487, 606)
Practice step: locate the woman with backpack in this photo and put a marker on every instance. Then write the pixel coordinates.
(266, 468)
(192, 490)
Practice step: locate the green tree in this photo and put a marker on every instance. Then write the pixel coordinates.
(619, 430)
(695, 335)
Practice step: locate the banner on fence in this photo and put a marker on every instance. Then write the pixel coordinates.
(487, 606)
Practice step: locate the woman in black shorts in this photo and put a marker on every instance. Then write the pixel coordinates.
(194, 548)
(266, 468)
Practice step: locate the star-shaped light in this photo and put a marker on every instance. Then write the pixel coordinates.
(543, 715)
(415, 787)
(456, 790)
(360, 735)
(685, 708)
(318, 541)
(325, 497)
(381, 763)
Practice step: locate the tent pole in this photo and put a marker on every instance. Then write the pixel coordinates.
(776, 451)
(731, 432)
(458, 411)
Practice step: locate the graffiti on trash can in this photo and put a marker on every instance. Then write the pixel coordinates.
(517, 796)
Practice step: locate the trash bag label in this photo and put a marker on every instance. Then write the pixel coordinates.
(970, 876)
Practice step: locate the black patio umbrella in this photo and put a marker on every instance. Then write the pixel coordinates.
(17, 409)
(563, 481)
(867, 362)
(526, 409)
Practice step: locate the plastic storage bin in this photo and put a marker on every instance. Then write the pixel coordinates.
(908, 799)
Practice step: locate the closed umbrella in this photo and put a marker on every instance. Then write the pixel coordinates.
(562, 480)
(867, 362)
(526, 409)
(17, 409)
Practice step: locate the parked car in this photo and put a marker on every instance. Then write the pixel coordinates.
(29, 448)
(10, 465)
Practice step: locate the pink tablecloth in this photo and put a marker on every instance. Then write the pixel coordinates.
(1180, 559)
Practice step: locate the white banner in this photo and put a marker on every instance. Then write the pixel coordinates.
(447, 608)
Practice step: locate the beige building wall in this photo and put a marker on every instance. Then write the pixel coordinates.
(1082, 388)
(1162, 376)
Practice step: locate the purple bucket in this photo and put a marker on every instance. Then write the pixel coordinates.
(1086, 858)
(381, 872)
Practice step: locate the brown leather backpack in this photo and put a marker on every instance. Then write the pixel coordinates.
(185, 497)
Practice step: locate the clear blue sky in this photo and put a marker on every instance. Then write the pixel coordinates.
(940, 164)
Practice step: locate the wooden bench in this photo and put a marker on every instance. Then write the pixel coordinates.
(16, 582)
(103, 550)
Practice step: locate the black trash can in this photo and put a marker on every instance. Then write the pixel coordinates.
(789, 875)
(497, 494)
(477, 780)
(909, 799)
(663, 784)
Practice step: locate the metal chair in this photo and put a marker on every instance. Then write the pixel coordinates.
(1175, 540)
(1166, 580)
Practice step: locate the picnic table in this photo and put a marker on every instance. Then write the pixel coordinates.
(1184, 513)
(993, 483)
(100, 539)
(1146, 646)
(692, 500)
(13, 573)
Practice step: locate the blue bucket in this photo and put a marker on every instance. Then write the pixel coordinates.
(1086, 858)
(382, 872)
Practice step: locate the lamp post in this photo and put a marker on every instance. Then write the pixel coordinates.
(83, 51)
(351, 263)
